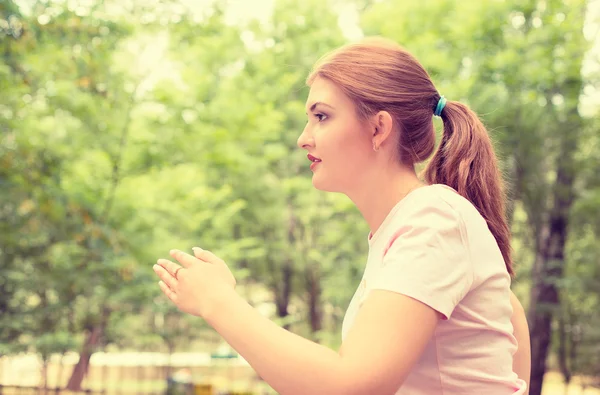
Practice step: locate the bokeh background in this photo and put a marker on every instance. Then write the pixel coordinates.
(131, 127)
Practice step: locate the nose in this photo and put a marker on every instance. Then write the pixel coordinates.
(305, 139)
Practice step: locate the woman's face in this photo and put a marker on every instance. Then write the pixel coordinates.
(336, 139)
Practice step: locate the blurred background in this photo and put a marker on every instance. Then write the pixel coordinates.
(131, 127)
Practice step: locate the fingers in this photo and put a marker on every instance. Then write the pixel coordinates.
(206, 256)
(186, 260)
(167, 291)
(169, 266)
(165, 270)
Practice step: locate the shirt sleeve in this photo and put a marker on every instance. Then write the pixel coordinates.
(427, 258)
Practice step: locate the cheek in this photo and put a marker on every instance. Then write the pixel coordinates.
(346, 156)
(355, 144)
(357, 161)
(350, 146)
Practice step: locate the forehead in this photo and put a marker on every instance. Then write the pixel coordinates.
(323, 90)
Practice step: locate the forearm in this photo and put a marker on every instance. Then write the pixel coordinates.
(522, 358)
(288, 362)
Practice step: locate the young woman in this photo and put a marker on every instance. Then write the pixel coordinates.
(433, 313)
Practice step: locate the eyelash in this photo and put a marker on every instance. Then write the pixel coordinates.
(320, 117)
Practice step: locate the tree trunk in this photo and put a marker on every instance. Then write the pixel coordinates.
(550, 254)
(44, 375)
(545, 299)
(59, 371)
(283, 292)
(563, 355)
(79, 371)
(313, 282)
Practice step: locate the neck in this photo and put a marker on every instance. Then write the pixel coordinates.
(381, 191)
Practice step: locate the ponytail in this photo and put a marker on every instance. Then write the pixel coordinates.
(465, 160)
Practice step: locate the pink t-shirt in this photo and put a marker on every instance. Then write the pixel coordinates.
(435, 247)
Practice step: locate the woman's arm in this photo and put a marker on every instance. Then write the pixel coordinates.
(389, 334)
(522, 358)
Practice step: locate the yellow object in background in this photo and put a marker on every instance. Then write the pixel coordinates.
(203, 389)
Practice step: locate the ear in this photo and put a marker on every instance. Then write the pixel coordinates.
(383, 124)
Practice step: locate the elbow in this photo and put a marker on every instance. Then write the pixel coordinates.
(361, 384)
(362, 390)
(356, 378)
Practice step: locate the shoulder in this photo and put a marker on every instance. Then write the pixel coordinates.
(431, 207)
(431, 216)
(426, 254)
(439, 196)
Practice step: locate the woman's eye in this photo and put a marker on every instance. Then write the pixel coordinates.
(321, 117)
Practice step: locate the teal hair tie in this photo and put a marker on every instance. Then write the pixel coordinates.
(440, 106)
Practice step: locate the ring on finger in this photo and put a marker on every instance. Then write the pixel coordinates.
(176, 270)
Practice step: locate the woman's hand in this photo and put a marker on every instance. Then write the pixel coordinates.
(199, 284)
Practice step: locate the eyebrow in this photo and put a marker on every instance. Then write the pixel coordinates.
(315, 104)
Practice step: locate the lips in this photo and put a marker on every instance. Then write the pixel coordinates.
(313, 159)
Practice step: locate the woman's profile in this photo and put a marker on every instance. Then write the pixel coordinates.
(434, 313)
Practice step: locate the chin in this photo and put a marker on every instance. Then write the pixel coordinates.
(325, 185)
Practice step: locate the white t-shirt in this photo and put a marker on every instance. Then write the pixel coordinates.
(435, 247)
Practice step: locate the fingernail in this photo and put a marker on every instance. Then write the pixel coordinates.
(197, 249)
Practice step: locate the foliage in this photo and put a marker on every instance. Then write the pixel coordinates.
(130, 128)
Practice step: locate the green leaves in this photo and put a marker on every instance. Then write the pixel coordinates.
(126, 135)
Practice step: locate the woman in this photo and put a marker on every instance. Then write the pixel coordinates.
(432, 314)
